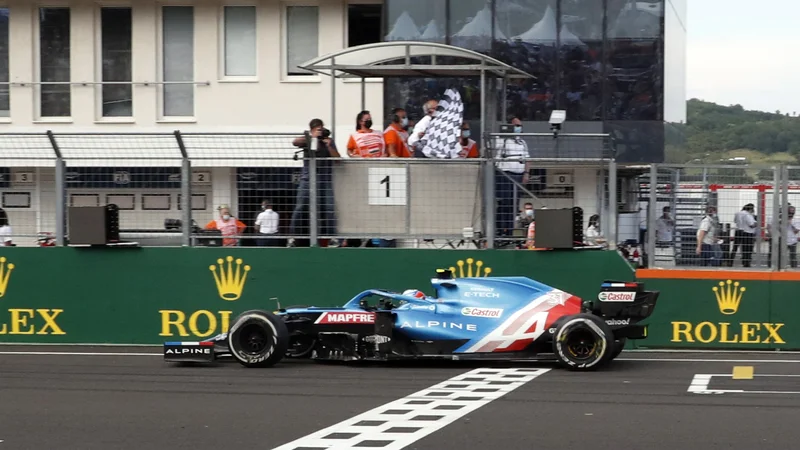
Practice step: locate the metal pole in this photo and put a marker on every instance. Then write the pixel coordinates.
(333, 99)
(775, 229)
(651, 217)
(312, 189)
(186, 193)
(612, 204)
(488, 188)
(784, 186)
(408, 199)
(61, 192)
(363, 94)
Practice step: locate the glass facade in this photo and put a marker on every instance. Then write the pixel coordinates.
(600, 60)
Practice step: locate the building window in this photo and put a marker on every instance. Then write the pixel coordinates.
(178, 60)
(5, 103)
(240, 41)
(302, 37)
(54, 62)
(364, 24)
(116, 65)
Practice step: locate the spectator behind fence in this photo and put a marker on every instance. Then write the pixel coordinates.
(593, 235)
(509, 174)
(792, 228)
(366, 142)
(665, 226)
(5, 230)
(267, 225)
(227, 225)
(421, 127)
(395, 136)
(469, 148)
(326, 148)
(708, 248)
(526, 217)
(745, 234)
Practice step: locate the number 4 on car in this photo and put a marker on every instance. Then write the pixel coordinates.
(494, 318)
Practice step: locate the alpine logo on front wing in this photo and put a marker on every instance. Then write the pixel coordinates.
(335, 318)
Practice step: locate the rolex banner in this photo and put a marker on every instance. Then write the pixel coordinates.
(153, 295)
(723, 310)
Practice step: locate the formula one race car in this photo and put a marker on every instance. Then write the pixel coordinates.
(487, 318)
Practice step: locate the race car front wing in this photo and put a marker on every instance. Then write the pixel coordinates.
(189, 351)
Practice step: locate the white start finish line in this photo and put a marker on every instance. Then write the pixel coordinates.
(402, 422)
(701, 381)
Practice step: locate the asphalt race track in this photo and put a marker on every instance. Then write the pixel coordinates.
(111, 398)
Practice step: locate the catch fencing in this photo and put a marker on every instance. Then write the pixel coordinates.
(748, 202)
(171, 188)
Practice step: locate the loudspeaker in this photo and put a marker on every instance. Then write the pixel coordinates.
(556, 228)
(93, 225)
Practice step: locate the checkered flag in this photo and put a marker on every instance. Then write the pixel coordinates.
(441, 137)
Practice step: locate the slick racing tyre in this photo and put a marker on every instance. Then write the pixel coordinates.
(258, 339)
(583, 342)
(617, 348)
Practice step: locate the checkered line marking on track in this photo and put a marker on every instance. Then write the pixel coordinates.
(398, 424)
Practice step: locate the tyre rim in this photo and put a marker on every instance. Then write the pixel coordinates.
(253, 339)
(581, 344)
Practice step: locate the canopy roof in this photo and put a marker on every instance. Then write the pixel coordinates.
(373, 61)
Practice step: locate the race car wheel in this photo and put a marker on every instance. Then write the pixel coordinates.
(618, 346)
(582, 342)
(258, 338)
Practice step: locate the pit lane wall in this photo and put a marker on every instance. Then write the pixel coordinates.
(719, 309)
(152, 295)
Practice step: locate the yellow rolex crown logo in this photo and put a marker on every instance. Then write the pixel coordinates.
(230, 280)
(5, 274)
(478, 266)
(728, 297)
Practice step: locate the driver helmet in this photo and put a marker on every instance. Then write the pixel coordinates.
(414, 293)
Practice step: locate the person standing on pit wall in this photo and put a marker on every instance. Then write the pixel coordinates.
(395, 136)
(708, 249)
(745, 234)
(267, 223)
(326, 149)
(508, 175)
(5, 230)
(792, 227)
(366, 142)
(228, 225)
(429, 108)
(665, 225)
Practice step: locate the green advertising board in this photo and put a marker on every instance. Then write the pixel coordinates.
(152, 295)
(728, 310)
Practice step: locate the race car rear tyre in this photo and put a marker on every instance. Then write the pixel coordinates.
(258, 338)
(617, 348)
(583, 342)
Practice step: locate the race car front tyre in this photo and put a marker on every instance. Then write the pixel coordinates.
(258, 338)
(583, 342)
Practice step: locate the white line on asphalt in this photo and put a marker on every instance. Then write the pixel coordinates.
(402, 422)
(700, 382)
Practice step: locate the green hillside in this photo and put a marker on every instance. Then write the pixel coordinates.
(715, 133)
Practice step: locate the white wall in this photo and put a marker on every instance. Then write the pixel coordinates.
(269, 101)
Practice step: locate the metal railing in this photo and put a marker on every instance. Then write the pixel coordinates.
(169, 188)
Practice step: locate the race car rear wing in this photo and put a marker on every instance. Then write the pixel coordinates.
(623, 302)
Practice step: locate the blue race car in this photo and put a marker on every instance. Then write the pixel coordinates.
(487, 318)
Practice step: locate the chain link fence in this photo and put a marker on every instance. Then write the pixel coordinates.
(176, 189)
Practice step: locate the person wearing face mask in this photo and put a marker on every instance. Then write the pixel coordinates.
(228, 226)
(395, 136)
(510, 172)
(524, 220)
(469, 148)
(708, 249)
(429, 108)
(366, 142)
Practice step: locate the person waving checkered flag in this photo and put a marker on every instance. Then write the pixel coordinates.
(441, 137)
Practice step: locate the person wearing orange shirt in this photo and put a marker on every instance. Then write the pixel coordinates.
(366, 142)
(227, 225)
(469, 148)
(396, 137)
